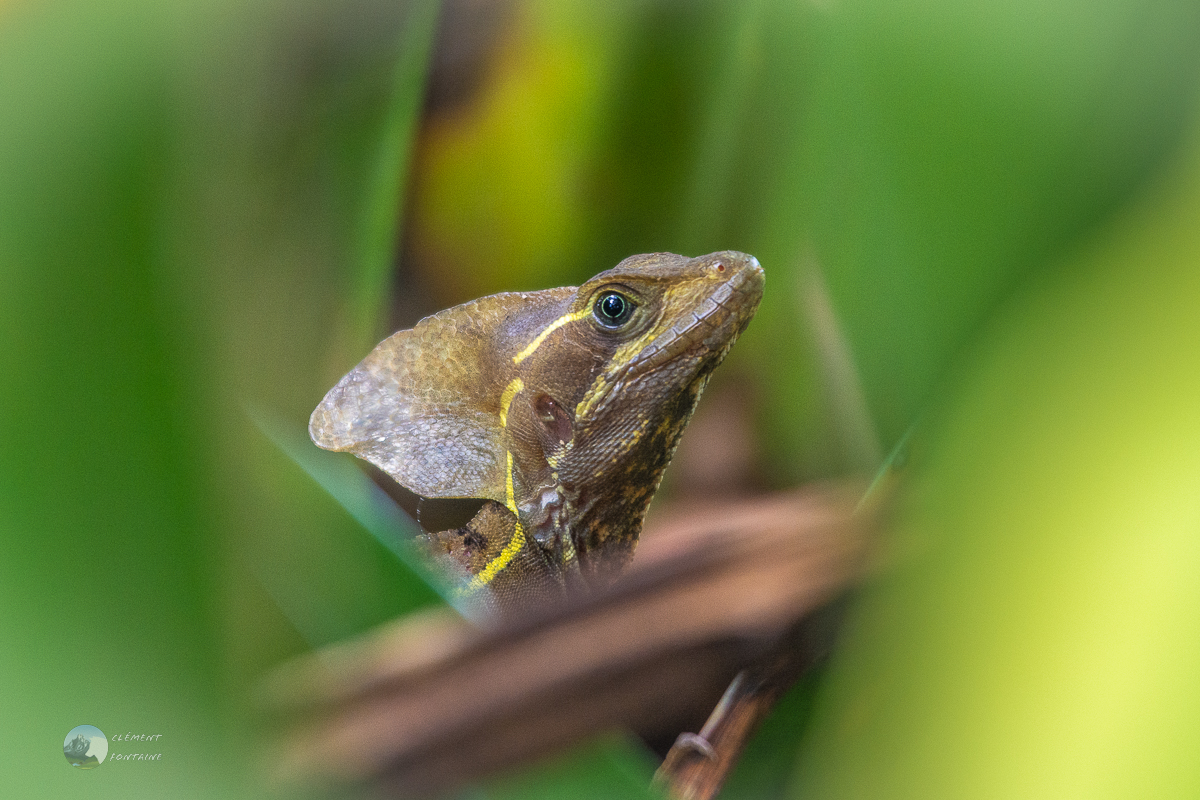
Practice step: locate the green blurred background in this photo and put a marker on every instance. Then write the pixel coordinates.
(981, 227)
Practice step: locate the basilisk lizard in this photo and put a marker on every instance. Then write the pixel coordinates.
(560, 409)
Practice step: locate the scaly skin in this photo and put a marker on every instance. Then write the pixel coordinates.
(559, 413)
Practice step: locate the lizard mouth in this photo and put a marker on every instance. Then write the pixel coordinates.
(712, 327)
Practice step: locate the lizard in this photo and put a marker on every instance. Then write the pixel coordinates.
(558, 409)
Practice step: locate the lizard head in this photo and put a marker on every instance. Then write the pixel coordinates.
(666, 322)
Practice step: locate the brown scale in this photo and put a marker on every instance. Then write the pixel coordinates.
(561, 407)
(530, 576)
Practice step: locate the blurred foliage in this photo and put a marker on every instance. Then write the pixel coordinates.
(979, 217)
(1037, 633)
(611, 768)
(172, 183)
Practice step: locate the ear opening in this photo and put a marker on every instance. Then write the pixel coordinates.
(553, 418)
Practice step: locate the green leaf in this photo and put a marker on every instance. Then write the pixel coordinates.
(1037, 634)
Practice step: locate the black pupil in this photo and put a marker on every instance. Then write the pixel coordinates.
(613, 309)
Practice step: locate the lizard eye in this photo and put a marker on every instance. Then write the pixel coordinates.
(612, 309)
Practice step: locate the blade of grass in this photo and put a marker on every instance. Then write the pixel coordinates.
(377, 227)
(360, 497)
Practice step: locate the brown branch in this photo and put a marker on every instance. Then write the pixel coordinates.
(698, 764)
(429, 702)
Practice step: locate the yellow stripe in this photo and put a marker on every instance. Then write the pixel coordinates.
(551, 328)
(485, 576)
(506, 399)
(493, 567)
(584, 406)
(509, 495)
